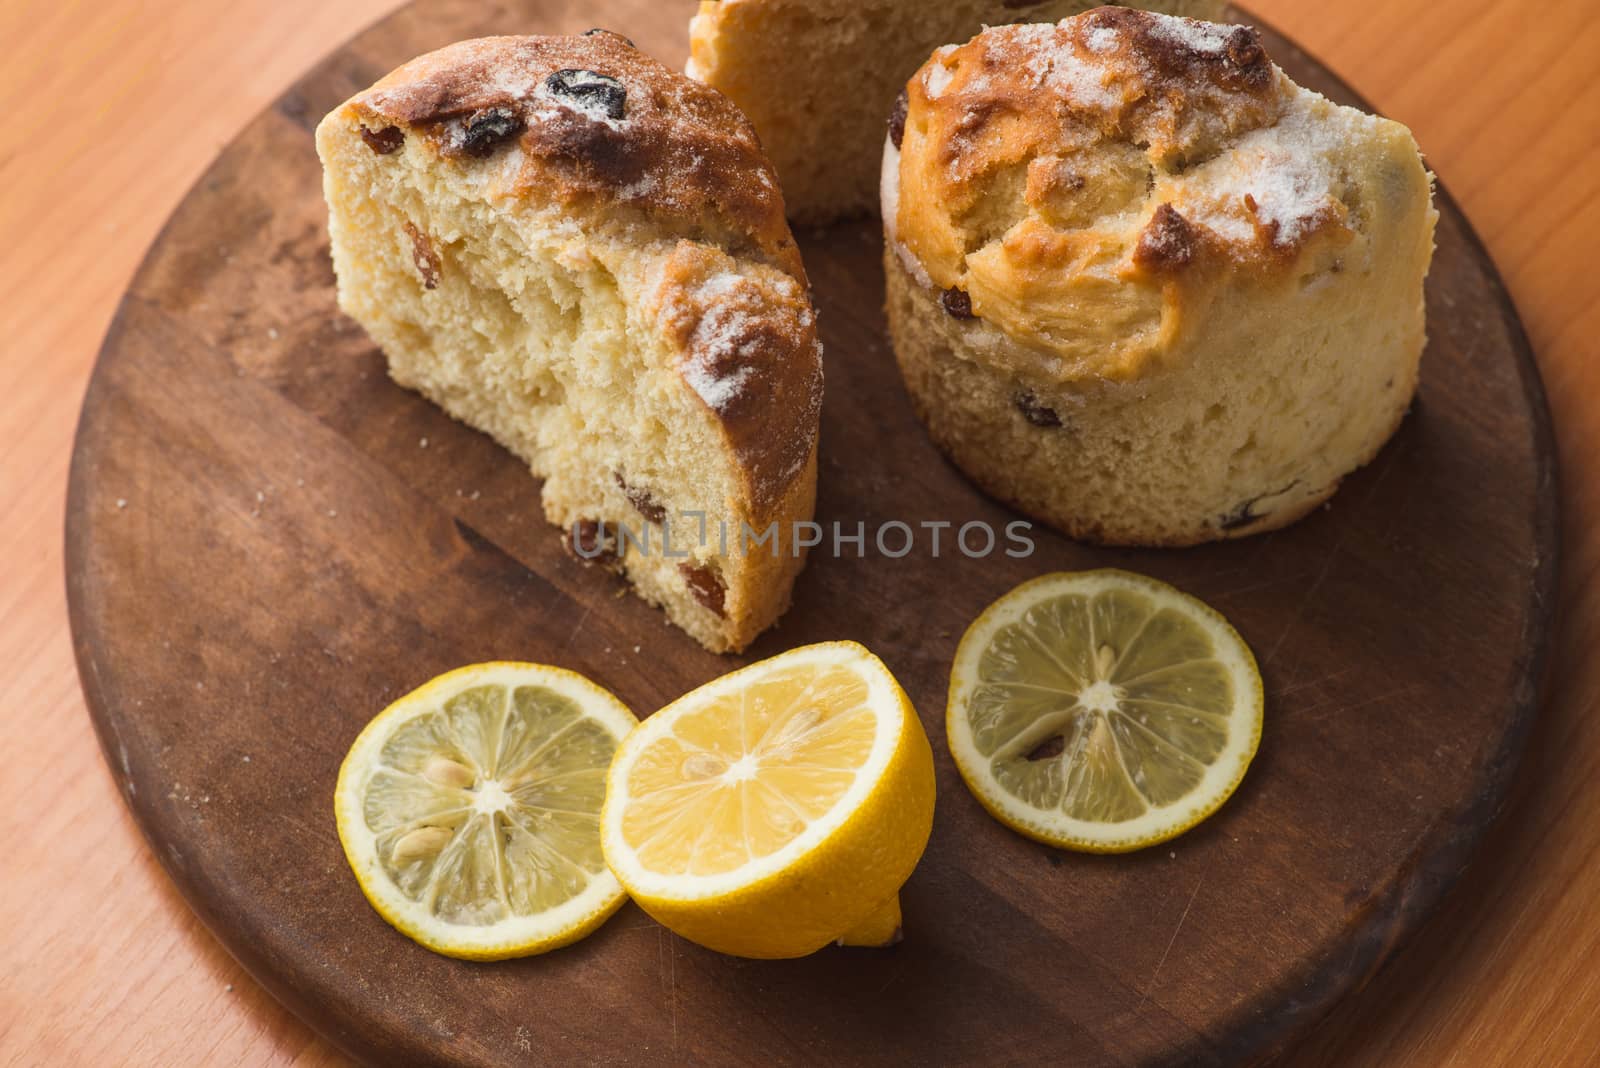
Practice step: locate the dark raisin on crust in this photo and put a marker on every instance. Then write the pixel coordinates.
(601, 30)
(1040, 415)
(642, 501)
(423, 255)
(384, 141)
(589, 541)
(706, 586)
(957, 303)
(897, 119)
(1168, 243)
(591, 91)
(486, 130)
(1247, 56)
(1241, 516)
(1244, 513)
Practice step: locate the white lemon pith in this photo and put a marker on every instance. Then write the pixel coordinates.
(1102, 710)
(469, 810)
(776, 809)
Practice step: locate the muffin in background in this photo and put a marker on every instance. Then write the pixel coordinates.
(1141, 285)
(817, 77)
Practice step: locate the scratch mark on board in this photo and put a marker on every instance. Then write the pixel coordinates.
(1171, 941)
(1306, 684)
(1305, 601)
(577, 628)
(1333, 708)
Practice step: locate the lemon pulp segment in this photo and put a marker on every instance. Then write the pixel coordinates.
(739, 778)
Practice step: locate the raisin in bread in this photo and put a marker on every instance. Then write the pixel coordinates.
(818, 77)
(1143, 286)
(583, 253)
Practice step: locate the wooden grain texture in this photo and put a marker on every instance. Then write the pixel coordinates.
(103, 965)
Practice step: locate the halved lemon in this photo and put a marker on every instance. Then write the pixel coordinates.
(1102, 710)
(470, 810)
(776, 809)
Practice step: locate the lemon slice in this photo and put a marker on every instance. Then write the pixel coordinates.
(1102, 711)
(470, 810)
(776, 809)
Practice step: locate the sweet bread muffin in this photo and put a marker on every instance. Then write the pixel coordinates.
(1144, 287)
(818, 77)
(576, 250)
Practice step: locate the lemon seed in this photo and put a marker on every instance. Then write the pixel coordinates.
(420, 843)
(703, 766)
(447, 772)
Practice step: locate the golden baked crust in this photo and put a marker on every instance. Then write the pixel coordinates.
(597, 127)
(769, 406)
(679, 151)
(1097, 173)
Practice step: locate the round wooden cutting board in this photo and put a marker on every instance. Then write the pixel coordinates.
(267, 541)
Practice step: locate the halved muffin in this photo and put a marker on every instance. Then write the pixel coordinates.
(582, 253)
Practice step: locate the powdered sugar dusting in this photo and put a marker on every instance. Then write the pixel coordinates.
(718, 391)
(1279, 180)
(1228, 219)
(721, 286)
(936, 80)
(640, 189)
(1085, 83)
(1101, 39)
(1288, 197)
(1207, 37)
(726, 341)
(517, 84)
(1048, 56)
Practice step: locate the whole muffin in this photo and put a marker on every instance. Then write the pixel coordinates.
(1141, 285)
(583, 253)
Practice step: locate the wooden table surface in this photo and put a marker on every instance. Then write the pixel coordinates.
(118, 105)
